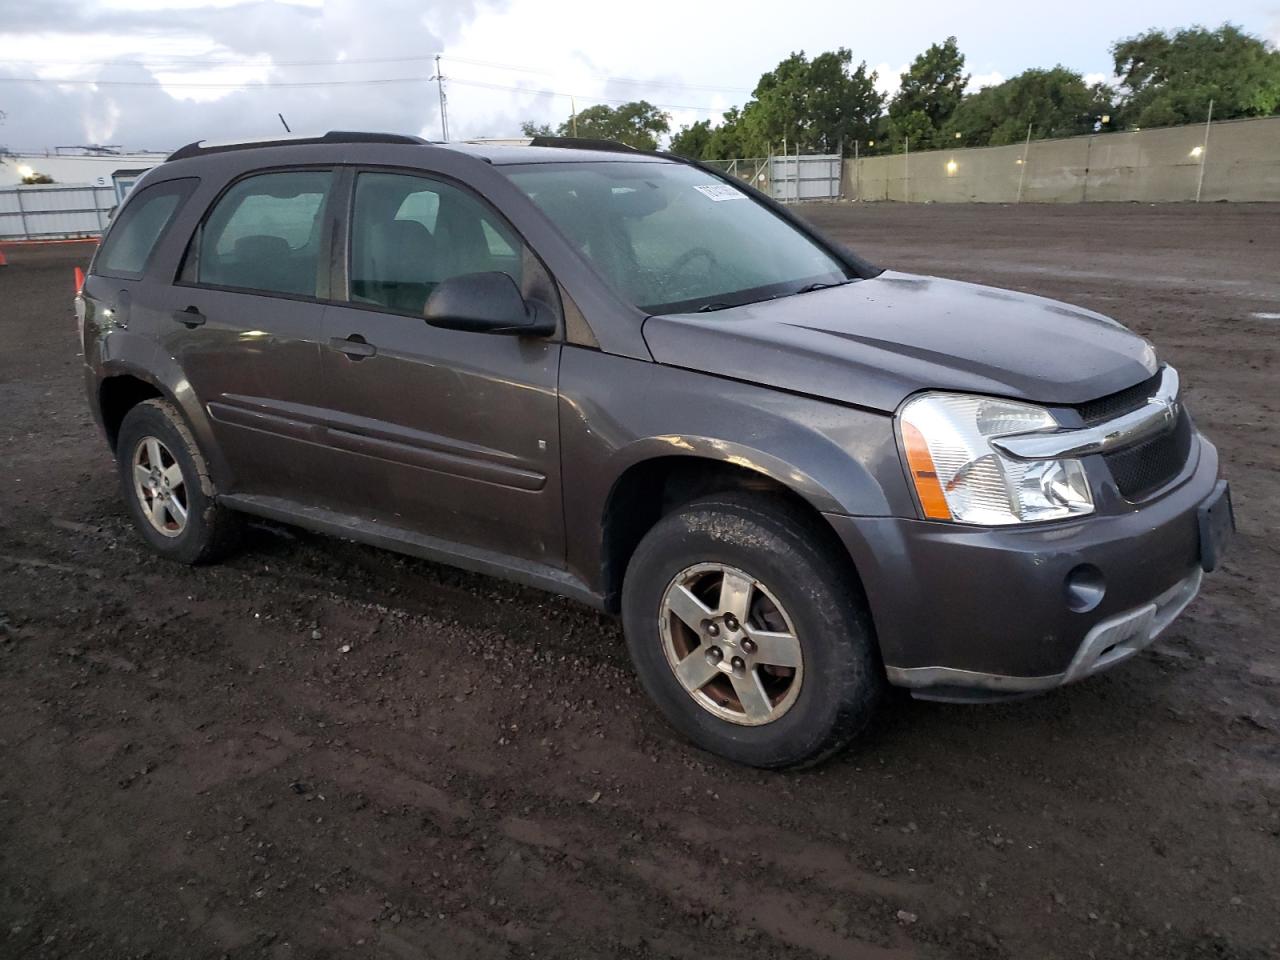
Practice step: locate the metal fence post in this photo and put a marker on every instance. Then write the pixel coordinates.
(857, 173)
(22, 214)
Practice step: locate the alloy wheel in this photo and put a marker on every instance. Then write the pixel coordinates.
(160, 487)
(731, 644)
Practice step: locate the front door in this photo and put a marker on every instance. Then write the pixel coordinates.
(446, 433)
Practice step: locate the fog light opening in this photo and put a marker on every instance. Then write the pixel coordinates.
(1085, 588)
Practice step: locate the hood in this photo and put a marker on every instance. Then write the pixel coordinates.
(874, 342)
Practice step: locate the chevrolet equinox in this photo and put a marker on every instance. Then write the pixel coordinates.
(635, 381)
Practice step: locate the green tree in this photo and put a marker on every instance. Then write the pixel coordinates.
(728, 139)
(638, 124)
(1055, 103)
(1169, 78)
(692, 141)
(816, 104)
(930, 92)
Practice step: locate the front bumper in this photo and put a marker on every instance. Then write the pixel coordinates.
(980, 613)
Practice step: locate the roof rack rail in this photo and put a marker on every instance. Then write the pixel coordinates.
(199, 148)
(583, 143)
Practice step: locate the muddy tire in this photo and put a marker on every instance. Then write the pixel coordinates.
(166, 487)
(747, 631)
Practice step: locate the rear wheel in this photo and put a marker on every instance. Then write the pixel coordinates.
(747, 632)
(166, 486)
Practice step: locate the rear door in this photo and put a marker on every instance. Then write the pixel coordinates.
(447, 433)
(245, 320)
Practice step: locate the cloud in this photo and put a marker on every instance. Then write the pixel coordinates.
(889, 78)
(507, 60)
(235, 50)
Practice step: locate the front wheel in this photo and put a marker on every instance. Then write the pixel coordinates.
(745, 629)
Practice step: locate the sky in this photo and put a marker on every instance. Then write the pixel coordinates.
(154, 74)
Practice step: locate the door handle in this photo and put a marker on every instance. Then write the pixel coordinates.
(355, 346)
(191, 317)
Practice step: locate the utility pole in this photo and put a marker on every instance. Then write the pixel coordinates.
(1204, 151)
(1022, 171)
(573, 115)
(444, 110)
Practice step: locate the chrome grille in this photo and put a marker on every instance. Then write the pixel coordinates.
(1144, 468)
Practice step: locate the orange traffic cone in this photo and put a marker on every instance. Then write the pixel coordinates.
(79, 281)
(3, 261)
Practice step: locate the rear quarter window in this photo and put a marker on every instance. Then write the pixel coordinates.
(129, 244)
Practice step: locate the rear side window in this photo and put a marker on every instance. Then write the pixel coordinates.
(142, 222)
(265, 234)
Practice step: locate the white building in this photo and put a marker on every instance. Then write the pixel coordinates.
(116, 170)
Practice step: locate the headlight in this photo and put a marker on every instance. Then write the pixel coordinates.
(959, 475)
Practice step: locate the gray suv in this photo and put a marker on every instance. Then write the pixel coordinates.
(631, 380)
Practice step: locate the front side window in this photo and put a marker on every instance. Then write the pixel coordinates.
(137, 231)
(265, 234)
(671, 237)
(409, 233)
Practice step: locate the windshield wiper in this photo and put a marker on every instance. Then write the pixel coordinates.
(711, 307)
(822, 285)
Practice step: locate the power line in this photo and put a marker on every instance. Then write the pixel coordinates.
(215, 61)
(215, 86)
(652, 83)
(227, 61)
(340, 83)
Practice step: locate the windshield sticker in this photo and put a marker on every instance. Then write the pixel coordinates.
(720, 191)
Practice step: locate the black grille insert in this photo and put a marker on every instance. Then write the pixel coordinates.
(1116, 404)
(1143, 469)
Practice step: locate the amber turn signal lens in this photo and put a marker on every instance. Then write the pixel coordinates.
(924, 475)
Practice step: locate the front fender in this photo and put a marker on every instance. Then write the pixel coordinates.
(742, 455)
(617, 412)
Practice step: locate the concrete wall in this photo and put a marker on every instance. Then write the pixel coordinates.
(1241, 162)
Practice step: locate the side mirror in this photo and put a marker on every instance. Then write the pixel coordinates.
(486, 303)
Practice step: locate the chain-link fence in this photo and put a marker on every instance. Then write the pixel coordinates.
(789, 177)
(754, 170)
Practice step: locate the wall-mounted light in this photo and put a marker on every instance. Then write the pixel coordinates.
(957, 134)
(871, 143)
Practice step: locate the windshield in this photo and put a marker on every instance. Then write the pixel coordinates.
(673, 238)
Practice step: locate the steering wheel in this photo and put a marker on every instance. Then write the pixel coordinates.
(682, 262)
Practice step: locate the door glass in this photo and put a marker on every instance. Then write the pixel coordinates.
(409, 233)
(265, 233)
(139, 227)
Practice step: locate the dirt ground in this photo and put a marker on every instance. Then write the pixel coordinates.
(318, 749)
